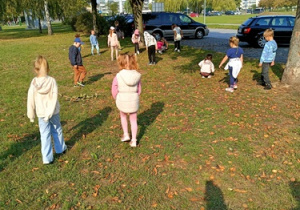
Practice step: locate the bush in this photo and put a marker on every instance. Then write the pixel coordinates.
(84, 23)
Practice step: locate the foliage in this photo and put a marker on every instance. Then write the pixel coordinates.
(84, 23)
(113, 7)
(127, 7)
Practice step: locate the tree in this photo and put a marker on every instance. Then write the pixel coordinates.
(127, 7)
(291, 74)
(50, 32)
(137, 7)
(94, 13)
(113, 7)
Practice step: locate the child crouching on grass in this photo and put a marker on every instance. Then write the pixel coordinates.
(235, 56)
(207, 67)
(42, 101)
(126, 88)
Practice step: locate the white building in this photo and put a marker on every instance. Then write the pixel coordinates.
(247, 4)
(103, 8)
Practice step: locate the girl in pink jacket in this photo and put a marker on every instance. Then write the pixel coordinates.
(113, 42)
(126, 88)
(135, 40)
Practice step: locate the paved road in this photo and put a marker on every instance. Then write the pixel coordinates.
(217, 40)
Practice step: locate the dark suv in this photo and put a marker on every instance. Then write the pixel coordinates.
(160, 23)
(252, 30)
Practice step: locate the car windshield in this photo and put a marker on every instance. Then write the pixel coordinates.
(247, 22)
(185, 19)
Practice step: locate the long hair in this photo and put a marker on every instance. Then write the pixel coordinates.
(41, 66)
(127, 61)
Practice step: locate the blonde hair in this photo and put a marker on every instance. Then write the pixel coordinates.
(127, 61)
(269, 33)
(41, 66)
(234, 40)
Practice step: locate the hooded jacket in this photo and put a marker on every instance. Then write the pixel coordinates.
(207, 66)
(149, 39)
(42, 98)
(127, 99)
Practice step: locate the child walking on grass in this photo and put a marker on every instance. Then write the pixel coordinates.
(42, 101)
(267, 58)
(113, 42)
(235, 56)
(94, 42)
(207, 67)
(126, 88)
(136, 40)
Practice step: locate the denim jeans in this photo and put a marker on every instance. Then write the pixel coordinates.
(265, 73)
(47, 129)
(232, 80)
(93, 47)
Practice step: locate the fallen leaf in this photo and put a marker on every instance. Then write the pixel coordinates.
(189, 189)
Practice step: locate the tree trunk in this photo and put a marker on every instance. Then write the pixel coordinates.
(50, 32)
(137, 7)
(94, 13)
(40, 26)
(291, 74)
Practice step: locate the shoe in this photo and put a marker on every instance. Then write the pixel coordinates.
(175, 49)
(229, 90)
(153, 63)
(48, 163)
(138, 52)
(125, 138)
(149, 63)
(203, 77)
(268, 87)
(209, 76)
(235, 87)
(80, 83)
(132, 143)
(178, 50)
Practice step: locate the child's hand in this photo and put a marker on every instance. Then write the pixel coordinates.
(273, 63)
(220, 66)
(260, 64)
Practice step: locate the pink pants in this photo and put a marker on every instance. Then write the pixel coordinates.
(133, 124)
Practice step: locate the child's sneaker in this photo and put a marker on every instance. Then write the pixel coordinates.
(80, 83)
(268, 87)
(203, 77)
(235, 87)
(175, 49)
(229, 90)
(138, 52)
(178, 50)
(125, 138)
(132, 143)
(209, 76)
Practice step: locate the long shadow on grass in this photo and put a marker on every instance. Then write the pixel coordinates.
(214, 197)
(89, 125)
(96, 77)
(146, 118)
(295, 189)
(18, 148)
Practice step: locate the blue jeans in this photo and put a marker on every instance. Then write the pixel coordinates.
(47, 129)
(93, 47)
(232, 80)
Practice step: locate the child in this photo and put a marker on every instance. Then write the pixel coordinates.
(151, 47)
(160, 45)
(78, 37)
(177, 36)
(136, 40)
(42, 100)
(166, 44)
(267, 58)
(126, 88)
(119, 32)
(207, 67)
(94, 42)
(112, 42)
(76, 62)
(235, 56)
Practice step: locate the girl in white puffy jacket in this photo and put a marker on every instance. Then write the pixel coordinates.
(207, 67)
(42, 101)
(126, 88)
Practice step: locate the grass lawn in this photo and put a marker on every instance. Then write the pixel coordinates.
(199, 146)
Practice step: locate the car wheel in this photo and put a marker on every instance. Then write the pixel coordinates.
(260, 42)
(159, 35)
(199, 34)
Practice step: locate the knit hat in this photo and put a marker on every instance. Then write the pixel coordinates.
(137, 32)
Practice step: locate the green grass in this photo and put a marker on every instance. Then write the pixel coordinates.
(198, 145)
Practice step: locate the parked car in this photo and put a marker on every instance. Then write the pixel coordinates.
(252, 30)
(258, 11)
(229, 13)
(194, 14)
(160, 23)
(214, 13)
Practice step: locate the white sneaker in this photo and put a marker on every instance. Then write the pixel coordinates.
(138, 52)
(125, 138)
(132, 143)
(235, 87)
(209, 76)
(229, 90)
(175, 49)
(203, 77)
(178, 50)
